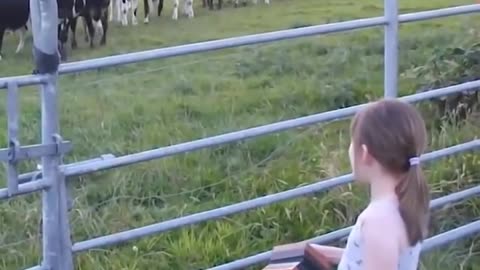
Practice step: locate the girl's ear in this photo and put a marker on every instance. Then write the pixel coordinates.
(365, 155)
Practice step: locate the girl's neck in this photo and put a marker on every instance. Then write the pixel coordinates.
(383, 188)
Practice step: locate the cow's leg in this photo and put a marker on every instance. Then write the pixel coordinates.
(110, 10)
(160, 7)
(235, 4)
(175, 9)
(21, 39)
(146, 11)
(118, 5)
(189, 8)
(220, 3)
(124, 12)
(104, 21)
(62, 40)
(134, 12)
(62, 51)
(63, 31)
(2, 32)
(85, 30)
(185, 12)
(90, 28)
(73, 28)
(267, 2)
(98, 26)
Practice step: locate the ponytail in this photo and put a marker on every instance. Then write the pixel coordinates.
(414, 198)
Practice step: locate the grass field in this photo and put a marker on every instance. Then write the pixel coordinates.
(153, 104)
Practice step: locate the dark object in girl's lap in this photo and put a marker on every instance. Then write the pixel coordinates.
(298, 256)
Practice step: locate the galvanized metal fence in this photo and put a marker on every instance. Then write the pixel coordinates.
(58, 250)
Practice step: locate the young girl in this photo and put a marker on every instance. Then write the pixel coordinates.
(387, 138)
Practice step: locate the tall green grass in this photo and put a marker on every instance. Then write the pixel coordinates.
(142, 106)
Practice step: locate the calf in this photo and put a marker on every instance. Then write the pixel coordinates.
(14, 15)
(94, 15)
(68, 13)
(95, 19)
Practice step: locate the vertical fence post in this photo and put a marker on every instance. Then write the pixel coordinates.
(13, 143)
(57, 247)
(391, 49)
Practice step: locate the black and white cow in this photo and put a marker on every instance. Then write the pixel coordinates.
(94, 14)
(14, 15)
(68, 13)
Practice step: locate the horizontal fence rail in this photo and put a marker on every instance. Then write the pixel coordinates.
(429, 244)
(32, 176)
(25, 189)
(37, 267)
(258, 39)
(253, 132)
(25, 80)
(51, 176)
(109, 161)
(324, 185)
(343, 233)
(96, 165)
(136, 57)
(31, 182)
(452, 235)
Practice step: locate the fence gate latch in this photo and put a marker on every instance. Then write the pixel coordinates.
(60, 146)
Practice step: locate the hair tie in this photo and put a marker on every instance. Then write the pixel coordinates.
(414, 161)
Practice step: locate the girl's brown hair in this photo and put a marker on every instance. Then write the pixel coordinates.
(394, 132)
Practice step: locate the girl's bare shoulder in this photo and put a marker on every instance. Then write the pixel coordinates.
(384, 218)
(383, 214)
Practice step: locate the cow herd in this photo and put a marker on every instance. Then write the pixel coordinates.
(94, 15)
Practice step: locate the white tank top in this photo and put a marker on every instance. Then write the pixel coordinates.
(352, 258)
